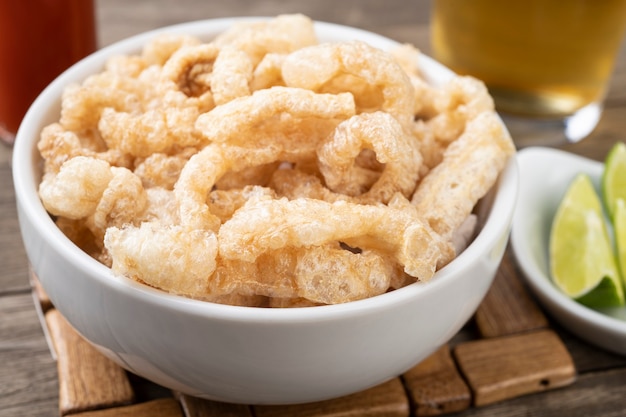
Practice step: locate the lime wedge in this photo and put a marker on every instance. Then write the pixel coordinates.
(614, 177)
(619, 229)
(582, 261)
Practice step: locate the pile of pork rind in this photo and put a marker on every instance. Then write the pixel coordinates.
(264, 168)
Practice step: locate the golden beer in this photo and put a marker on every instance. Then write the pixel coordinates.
(545, 58)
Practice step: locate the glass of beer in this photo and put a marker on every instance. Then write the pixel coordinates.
(547, 63)
(39, 39)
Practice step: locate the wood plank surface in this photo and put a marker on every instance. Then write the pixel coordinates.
(436, 387)
(164, 407)
(508, 307)
(593, 395)
(12, 256)
(385, 400)
(87, 379)
(198, 407)
(28, 376)
(507, 367)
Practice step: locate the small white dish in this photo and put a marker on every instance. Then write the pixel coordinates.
(545, 174)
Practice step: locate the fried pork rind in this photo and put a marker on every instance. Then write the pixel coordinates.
(263, 225)
(393, 147)
(265, 169)
(76, 190)
(281, 35)
(373, 76)
(443, 198)
(162, 131)
(292, 118)
(333, 275)
(174, 258)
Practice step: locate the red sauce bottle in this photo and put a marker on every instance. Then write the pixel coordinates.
(39, 39)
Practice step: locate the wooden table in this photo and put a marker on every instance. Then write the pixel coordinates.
(28, 375)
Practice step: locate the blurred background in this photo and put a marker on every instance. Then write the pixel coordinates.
(403, 20)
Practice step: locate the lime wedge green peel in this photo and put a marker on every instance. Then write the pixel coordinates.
(614, 177)
(614, 196)
(583, 263)
(619, 228)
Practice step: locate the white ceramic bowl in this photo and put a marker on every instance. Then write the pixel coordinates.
(545, 174)
(240, 354)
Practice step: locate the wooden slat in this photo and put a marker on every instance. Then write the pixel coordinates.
(40, 293)
(87, 379)
(42, 305)
(164, 407)
(436, 387)
(589, 358)
(593, 395)
(198, 407)
(505, 367)
(28, 375)
(508, 308)
(12, 254)
(388, 400)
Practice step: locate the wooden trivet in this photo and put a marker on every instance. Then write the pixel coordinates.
(516, 354)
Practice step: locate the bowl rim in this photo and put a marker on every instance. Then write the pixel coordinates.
(536, 277)
(25, 157)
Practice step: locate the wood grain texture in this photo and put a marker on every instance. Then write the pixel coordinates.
(385, 400)
(87, 379)
(508, 307)
(403, 19)
(12, 253)
(435, 386)
(40, 294)
(28, 375)
(198, 407)
(506, 367)
(165, 407)
(593, 395)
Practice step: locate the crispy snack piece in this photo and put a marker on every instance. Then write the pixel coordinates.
(163, 130)
(458, 101)
(263, 225)
(76, 190)
(297, 302)
(224, 203)
(206, 69)
(265, 169)
(58, 145)
(189, 69)
(271, 276)
(373, 76)
(326, 274)
(83, 105)
(393, 147)
(329, 274)
(160, 49)
(292, 118)
(231, 76)
(202, 172)
(293, 183)
(269, 72)
(174, 258)
(444, 198)
(122, 202)
(90, 189)
(162, 170)
(283, 34)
